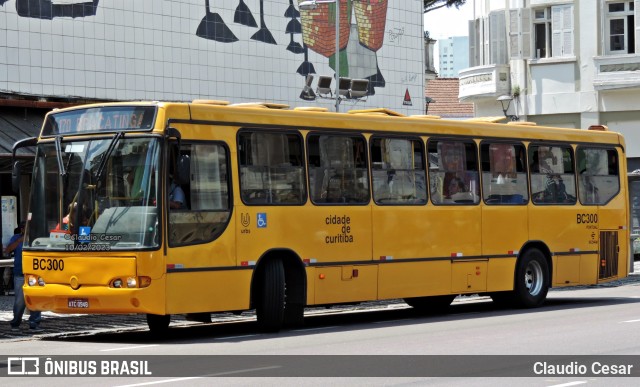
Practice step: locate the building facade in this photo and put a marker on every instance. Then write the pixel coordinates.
(240, 51)
(54, 53)
(453, 54)
(565, 63)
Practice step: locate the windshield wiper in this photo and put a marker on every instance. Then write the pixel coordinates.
(61, 167)
(107, 154)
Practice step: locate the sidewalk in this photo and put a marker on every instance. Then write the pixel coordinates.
(54, 323)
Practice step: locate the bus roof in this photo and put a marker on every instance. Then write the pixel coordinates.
(368, 120)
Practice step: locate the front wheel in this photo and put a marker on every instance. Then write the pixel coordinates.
(532, 279)
(271, 300)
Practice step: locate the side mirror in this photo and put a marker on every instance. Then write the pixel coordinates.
(16, 173)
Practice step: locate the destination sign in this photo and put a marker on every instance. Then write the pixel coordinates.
(100, 119)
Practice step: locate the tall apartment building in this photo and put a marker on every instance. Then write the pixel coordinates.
(565, 63)
(453, 54)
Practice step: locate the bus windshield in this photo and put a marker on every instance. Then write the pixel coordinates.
(95, 195)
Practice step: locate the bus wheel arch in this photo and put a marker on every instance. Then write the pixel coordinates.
(272, 265)
(532, 277)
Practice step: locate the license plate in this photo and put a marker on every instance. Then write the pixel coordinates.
(78, 303)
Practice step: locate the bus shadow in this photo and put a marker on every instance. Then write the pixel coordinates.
(341, 321)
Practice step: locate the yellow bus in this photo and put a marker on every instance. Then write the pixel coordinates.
(284, 208)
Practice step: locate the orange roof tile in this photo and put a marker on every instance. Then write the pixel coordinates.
(444, 91)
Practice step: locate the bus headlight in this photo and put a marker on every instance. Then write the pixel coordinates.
(117, 283)
(131, 282)
(41, 281)
(32, 280)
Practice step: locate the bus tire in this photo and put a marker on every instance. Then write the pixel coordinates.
(532, 279)
(293, 315)
(270, 306)
(158, 323)
(433, 304)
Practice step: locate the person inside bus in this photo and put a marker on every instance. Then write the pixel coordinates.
(177, 199)
(457, 191)
(456, 185)
(68, 220)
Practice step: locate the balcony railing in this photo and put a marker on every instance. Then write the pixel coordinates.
(482, 82)
(617, 72)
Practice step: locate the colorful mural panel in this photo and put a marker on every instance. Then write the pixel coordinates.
(144, 49)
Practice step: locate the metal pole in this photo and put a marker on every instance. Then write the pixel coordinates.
(337, 55)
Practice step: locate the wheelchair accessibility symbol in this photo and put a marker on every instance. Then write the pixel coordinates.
(262, 220)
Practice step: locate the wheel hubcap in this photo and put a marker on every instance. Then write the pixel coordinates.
(533, 278)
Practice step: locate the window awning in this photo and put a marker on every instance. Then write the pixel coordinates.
(17, 123)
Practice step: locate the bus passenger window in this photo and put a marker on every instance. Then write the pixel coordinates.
(598, 175)
(271, 168)
(453, 172)
(552, 175)
(338, 169)
(504, 176)
(398, 171)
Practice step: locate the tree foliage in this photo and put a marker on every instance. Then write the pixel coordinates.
(432, 5)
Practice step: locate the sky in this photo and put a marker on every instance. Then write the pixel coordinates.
(446, 22)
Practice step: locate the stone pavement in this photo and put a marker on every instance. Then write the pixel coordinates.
(62, 324)
(58, 323)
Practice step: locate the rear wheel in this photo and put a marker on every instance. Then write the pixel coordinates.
(158, 323)
(532, 279)
(434, 304)
(270, 305)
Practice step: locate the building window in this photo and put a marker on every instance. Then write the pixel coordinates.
(553, 31)
(487, 40)
(542, 31)
(619, 27)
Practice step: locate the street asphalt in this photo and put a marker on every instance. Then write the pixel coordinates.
(54, 324)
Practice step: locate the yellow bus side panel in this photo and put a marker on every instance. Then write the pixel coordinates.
(589, 269)
(557, 227)
(575, 270)
(500, 274)
(504, 229)
(566, 270)
(335, 284)
(311, 285)
(469, 276)
(414, 279)
(208, 291)
(322, 233)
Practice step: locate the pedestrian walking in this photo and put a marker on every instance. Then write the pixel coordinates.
(15, 247)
